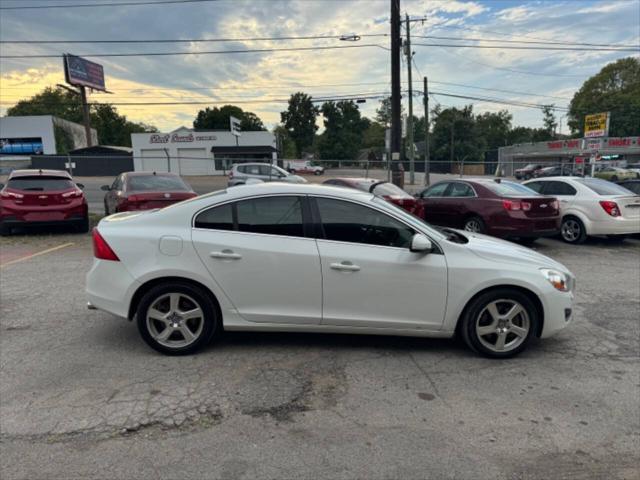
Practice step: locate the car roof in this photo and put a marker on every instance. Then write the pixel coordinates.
(353, 180)
(158, 174)
(271, 188)
(33, 172)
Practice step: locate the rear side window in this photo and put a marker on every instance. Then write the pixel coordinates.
(435, 191)
(155, 182)
(536, 186)
(217, 218)
(603, 187)
(38, 183)
(271, 215)
(558, 188)
(461, 190)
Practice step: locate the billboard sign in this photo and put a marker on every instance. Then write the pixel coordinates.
(21, 146)
(81, 72)
(596, 125)
(234, 126)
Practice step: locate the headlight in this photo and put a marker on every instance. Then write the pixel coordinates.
(559, 280)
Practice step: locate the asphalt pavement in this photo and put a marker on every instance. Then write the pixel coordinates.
(82, 395)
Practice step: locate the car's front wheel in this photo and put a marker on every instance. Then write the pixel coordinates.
(177, 318)
(500, 323)
(572, 230)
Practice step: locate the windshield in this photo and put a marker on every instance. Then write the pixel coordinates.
(510, 189)
(282, 171)
(40, 183)
(531, 166)
(603, 187)
(389, 190)
(156, 182)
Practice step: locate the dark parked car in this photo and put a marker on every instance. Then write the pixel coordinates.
(555, 171)
(42, 198)
(145, 191)
(384, 189)
(525, 173)
(633, 185)
(496, 207)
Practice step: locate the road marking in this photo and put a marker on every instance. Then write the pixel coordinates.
(37, 254)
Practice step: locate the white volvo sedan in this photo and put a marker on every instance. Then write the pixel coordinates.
(311, 258)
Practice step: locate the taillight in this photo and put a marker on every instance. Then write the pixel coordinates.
(5, 194)
(555, 205)
(512, 205)
(73, 194)
(610, 207)
(230, 174)
(101, 248)
(526, 206)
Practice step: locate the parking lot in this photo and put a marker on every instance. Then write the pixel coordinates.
(82, 395)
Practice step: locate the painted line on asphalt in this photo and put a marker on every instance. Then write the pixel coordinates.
(37, 254)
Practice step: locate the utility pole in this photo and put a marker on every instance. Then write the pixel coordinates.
(395, 91)
(453, 123)
(426, 132)
(409, 54)
(85, 115)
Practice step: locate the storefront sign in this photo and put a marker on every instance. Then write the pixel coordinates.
(620, 142)
(596, 125)
(178, 138)
(155, 138)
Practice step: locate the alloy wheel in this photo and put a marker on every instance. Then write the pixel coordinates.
(570, 230)
(473, 225)
(503, 325)
(175, 320)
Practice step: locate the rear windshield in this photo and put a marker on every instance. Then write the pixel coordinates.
(603, 187)
(510, 189)
(389, 189)
(40, 183)
(155, 182)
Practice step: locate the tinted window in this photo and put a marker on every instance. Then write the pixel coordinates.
(559, 188)
(252, 170)
(218, 218)
(632, 186)
(272, 215)
(461, 190)
(509, 189)
(436, 191)
(40, 183)
(155, 182)
(602, 187)
(349, 222)
(536, 186)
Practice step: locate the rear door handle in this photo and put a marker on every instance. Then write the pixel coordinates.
(345, 266)
(226, 254)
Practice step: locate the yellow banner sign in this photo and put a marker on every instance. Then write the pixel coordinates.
(596, 125)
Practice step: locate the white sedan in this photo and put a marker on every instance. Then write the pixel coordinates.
(312, 258)
(591, 206)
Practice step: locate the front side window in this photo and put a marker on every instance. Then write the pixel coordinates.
(271, 215)
(349, 222)
(435, 191)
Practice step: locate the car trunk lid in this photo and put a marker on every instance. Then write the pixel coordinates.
(533, 207)
(150, 200)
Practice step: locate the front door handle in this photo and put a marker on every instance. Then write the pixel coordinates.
(226, 254)
(345, 266)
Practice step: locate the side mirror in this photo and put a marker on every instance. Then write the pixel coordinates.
(106, 188)
(420, 244)
(80, 186)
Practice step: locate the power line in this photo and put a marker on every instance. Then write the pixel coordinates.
(541, 42)
(514, 47)
(214, 52)
(111, 4)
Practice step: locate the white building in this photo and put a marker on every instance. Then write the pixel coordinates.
(190, 152)
(37, 134)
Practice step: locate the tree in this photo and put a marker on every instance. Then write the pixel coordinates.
(285, 143)
(217, 118)
(300, 121)
(455, 137)
(383, 113)
(112, 128)
(615, 89)
(344, 128)
(373, 135)
(549, 121)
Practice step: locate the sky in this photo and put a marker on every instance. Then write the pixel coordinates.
(261, 82)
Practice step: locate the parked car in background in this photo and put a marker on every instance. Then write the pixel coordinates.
(632, 185)
(591, 206)
(145, 191)
(304, 166)
(496, 207)
(310, 258)
(634, 167)
(554, 171)
(42, 198)
(382, 188)
(614, 173)
(527, 172)
(241, 172)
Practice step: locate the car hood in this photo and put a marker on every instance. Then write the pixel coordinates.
(494, 249)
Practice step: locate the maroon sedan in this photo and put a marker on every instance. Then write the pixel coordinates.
(145, 191)
(496, 207)
(42, 198)
(384, 189)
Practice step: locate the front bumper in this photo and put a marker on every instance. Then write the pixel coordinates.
(558, 311)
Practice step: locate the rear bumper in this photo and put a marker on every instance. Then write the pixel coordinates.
(14, 215)
(527, 228)
(110, 287)
(615, 226)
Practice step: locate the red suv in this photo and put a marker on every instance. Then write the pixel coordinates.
(384, 189)
(42, 198)
(496, 207)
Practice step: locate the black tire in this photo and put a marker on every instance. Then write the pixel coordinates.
(572, 230)
(83, 225)
(317, 172)
(475, 315)
(614, 178)
(527, 176)
(211, 322)
(106, 209)
(474, 224)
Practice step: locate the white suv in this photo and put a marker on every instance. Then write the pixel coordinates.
(264, 172)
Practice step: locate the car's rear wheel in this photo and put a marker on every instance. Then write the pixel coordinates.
(500, 323)
(572, 230)
(614, 178)
(317, 172)
(177, 318)
(474, 224)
